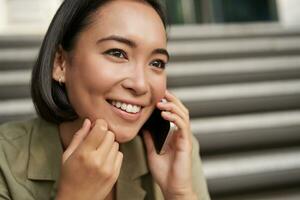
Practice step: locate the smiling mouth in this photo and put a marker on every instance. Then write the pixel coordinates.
(129, 108)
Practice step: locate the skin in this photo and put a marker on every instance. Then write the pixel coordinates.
(94, 73)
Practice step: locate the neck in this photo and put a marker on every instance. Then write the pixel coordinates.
(67, 131)
(111, 195)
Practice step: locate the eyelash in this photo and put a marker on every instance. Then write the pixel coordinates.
(162, 64)
(119, 53)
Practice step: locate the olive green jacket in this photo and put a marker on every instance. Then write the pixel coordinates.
(30, 160)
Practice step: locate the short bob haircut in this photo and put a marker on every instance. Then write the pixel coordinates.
(49, 97)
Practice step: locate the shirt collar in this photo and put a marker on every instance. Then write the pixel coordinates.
(134, 161)
(45, 152)
(134, 166)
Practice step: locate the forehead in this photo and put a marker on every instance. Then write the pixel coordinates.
(133, 19)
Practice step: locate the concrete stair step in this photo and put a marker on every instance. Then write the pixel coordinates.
(14, 92)
(233, 70)
(16, 106)
(14, 84)
(16, 109)
(291, 193)
(233, 48)
(20, 41)
(221, 31)
(246, 131)
(246, 171)
(17, 58)
(230, 99)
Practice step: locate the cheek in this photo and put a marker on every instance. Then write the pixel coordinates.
(87, 81)
(159, 86)
(92, 76)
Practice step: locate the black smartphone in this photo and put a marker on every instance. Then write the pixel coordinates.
(160, 130)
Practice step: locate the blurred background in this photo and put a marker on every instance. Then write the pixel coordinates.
(235, 64)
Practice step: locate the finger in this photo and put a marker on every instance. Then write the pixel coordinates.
(94, 139)
(149, 143)
(114, 171)
(118, 164)
(171, 107)
(185, 131)
(77, 139)
(106, 146)
(172, 98)
(112, 155)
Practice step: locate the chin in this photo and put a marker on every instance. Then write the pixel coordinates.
(125, 132)
(123, 136)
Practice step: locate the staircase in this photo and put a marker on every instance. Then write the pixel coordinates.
(242, 86)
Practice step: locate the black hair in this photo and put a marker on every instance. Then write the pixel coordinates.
(49, 97)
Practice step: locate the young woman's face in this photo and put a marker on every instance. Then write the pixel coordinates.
(115, 71)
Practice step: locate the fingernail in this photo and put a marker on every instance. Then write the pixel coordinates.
(166, 112)
(163, 101)
(85, 122)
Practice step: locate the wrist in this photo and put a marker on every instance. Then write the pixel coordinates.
(64, 193)
(184, 196)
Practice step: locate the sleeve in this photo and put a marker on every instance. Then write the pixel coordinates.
(4, 191)
(199, 181)
(4, 194)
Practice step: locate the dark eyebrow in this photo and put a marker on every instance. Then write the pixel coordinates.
(162, 51)
(132, 44)
(118, 39)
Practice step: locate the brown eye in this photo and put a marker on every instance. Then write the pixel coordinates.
(159, 64)
(118, 53)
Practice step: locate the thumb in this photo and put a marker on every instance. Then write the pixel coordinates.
(149, 143)
(78, 137)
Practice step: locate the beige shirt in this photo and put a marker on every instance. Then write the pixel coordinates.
(30, 160)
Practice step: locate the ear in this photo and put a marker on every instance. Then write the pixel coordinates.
(59, 66)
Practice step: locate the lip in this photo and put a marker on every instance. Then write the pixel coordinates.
(125, 115)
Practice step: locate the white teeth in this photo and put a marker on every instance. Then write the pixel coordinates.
(118, 104)
(126, 107)
(129, 108)
(136, 108)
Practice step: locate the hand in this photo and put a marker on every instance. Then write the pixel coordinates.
(91, 163)
(173, 169)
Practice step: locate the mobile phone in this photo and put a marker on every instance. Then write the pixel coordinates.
(160, 130)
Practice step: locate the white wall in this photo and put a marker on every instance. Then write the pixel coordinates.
(26, 16)
(289, 12)
(3, 19)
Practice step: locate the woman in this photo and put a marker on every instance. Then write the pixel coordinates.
(98, 77)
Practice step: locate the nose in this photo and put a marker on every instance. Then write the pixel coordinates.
(136, 81)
